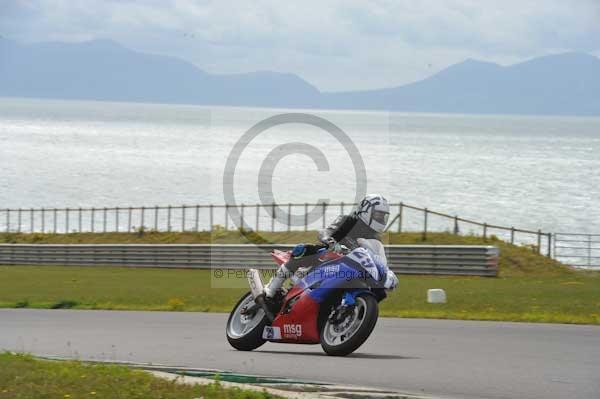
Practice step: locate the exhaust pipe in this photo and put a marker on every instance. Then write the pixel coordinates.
(257, 290)
(255, 282)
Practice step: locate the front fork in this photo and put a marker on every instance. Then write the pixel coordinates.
(346, 306)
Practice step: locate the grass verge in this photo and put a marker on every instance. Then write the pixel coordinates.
(568, 298)
(22, 376)
(530, 287)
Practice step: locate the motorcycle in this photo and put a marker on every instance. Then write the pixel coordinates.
(335, 303)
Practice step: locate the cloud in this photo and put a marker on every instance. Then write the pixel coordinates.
(335, 44)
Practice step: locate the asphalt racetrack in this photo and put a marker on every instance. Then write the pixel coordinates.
(455, 359)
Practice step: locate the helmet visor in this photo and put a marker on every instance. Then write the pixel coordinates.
(381, 217)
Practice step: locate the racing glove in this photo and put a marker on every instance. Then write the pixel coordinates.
(302, 250)
(391, 281)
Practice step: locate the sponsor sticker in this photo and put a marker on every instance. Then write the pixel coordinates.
(270, 333)
(292, 330)
(331, 270)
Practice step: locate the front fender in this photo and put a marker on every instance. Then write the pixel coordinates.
(376, 293)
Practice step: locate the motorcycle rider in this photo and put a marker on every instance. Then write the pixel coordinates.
(361, 228)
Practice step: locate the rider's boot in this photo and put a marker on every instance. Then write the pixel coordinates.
(286, 270)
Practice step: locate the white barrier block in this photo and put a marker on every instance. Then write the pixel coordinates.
(436, 295)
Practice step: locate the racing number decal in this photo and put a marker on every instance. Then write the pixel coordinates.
(361, 256)
(270, 333)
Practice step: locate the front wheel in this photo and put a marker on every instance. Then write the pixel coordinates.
(340, 338)
(244, 329)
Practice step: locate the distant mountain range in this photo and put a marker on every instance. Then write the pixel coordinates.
(564, 84)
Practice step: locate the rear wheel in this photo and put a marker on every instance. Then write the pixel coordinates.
(342, 337)
(244, 329)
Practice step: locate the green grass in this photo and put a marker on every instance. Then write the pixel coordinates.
(23, 377)
(560, 298)
(530, 287)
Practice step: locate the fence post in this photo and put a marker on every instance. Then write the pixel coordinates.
(512, 235)
(400, 211)
(182, 218)
(31, 220)
(196, 218)
(456, 230)
(342, 208)
(226, 217)
(129, 211)
(7, 220)
(273, 217)
(117, 219)
(589, 250)
(484, 230)
(104, 219)
(67, 220)
(539, 241)
(79, 220)
(92, 219)
(289, 218)
(19, 220)
(211, 216)
(549, 252)
(43, 220)
(554, 246)
(323, 210)
(169, 218)
(155, 217)
(143, 217)
(305, 216)
(425, 215)
(242, 212)
(54, 217)
(257, 216)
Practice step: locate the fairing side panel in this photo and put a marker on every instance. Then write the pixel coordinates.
(300, 324)
(342, 277)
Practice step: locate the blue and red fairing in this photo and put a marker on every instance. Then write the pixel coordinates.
(342, 276)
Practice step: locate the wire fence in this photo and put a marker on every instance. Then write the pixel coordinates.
(577, 249)
(257, 217)
(411, 218)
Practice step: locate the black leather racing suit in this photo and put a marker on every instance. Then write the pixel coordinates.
(345, 230)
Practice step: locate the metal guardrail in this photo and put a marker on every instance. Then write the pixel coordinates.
(257, 217)
(577, 249)
(404, 259)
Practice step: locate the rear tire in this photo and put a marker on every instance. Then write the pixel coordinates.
(341, 340)
(242, 333)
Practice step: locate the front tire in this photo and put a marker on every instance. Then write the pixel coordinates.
(244, 332)
(341, 339)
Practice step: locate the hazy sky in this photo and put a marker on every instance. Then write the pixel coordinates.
(335, 45)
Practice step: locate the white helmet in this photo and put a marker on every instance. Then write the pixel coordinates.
(374, 210)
